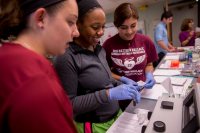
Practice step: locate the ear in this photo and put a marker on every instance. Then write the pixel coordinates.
(39, 17)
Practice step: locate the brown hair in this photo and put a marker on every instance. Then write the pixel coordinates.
(13, 19)
(123, 12)
(10, 16)
(185, 24)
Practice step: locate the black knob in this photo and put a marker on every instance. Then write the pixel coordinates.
(159, 126)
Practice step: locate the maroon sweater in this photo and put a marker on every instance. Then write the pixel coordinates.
(31, 98)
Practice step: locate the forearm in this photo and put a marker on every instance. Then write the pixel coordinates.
(116, 79)
(186, 41)
(149, 67)
(115, 76)
(89, 102)
(170, 46)
(163, 46)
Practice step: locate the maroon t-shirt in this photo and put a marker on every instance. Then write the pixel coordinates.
(31, 98)
(130, 58)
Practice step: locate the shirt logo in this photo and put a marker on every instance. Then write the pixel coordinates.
(129, 63)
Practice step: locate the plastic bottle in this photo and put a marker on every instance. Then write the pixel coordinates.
(186, 55)
(189, 57)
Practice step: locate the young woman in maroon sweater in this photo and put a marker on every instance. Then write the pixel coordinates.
(31, 97)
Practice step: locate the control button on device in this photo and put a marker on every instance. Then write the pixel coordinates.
(167, 105)
(159, 126)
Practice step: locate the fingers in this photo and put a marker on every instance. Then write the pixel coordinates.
(135, 83)
(131, 88)
(147, 86)
(128, 81)
(134, 94)
(149, 83)
(138, 87)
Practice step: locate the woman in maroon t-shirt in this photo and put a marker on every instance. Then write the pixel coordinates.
(130, 54)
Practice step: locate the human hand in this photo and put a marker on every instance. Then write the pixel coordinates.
(123, 92)
(191, 33)
(128, 81)
(141, 85)
(150, 81)
(172, 49)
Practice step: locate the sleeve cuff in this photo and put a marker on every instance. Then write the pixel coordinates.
(102, 96)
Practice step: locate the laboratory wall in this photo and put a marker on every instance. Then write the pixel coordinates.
(151, 16)
(179, 15)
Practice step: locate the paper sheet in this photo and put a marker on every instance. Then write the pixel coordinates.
(163, 72)
(167, 65)
(127, 123)
(175, 53)
(179, 81)
(158, 90)
(171, 57)
(153, 93)
(141, 83)
(188, 48)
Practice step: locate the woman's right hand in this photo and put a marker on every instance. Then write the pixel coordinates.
(124, 92)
